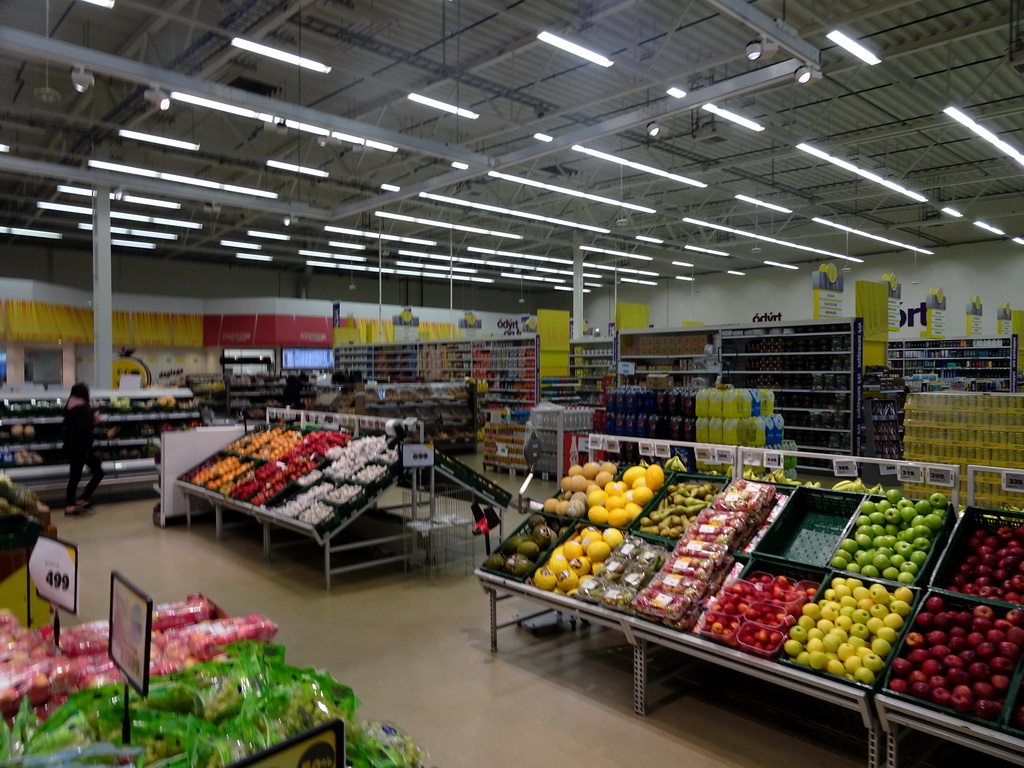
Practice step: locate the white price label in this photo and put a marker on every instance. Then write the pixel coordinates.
(751, 458)
(501, 449)
(646, 448)
(418, 455)
(772, 460)
(1013, 481)
(662, 450)
(627, 369)
(887, 469)
(53, 567)
(611, 445)
(910, 474)
(703, 454)
(940, 477)
(724, 456)
(844, 467)
(594, 443)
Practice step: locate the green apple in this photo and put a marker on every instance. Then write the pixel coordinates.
(877, 517)
(867, 507)
(918, 557)
(918, 520)
(815, 634)
(862, 557)
(892, 527)
(922, 532)
(923, 508)
(933, 521)
(856, 640)
(864, 675)
(860, 616)
(882, 505)
(798, 633)
(938, 500)
(852, 568)
(803, 658)
(878, 611)
(792, 648)
(908, 513)
(921, 544)
(874, 661)
(893, 495)
(907, 534)
(870, 571)
(899, 607)
(904, 503)
(909, 567)
(863, 540)
(849, 545)
(839, 563)
(864, 519)
(903, 548)
(891, 573)
(905, 578)
(880, 561)
(859, 631)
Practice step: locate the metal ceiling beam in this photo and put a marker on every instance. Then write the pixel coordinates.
(747, 15)
(774, 75)
(15, 41)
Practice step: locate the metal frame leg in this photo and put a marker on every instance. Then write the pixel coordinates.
(892, 757)
(266, 542)
(218, 515)
(640, 677)
(492, 598)
(327, 565)
(877, 743)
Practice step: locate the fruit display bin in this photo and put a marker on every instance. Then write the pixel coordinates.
(811, 527)
(826, 584)
(935, 552)
(1014, 703)
(560, 524)
(959, 602)
(972, 519)
(718, 482)
(802, 573)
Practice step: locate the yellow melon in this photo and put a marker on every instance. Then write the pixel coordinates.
(575, 469)
(618, 518)
(566, 484)
(640, 482)
(604, 478)
(597, 515)
(610, 468)
(655, 477)
(614, 502)
(578, 483)
(551, 506)
(596, 498)
(633, 510)
(612, 489)
(590, 470)
(630, 475)
(572, 549)
(590, 535)
(562, 508)
(642, 496)
(599, 551)
(612, 538)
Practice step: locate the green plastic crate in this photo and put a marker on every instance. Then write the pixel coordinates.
(555, 522)
(811, 526)
(778, 568)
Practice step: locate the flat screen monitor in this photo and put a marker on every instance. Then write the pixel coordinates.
(297, 359)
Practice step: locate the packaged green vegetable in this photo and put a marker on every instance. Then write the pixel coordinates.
(171, 697)
(24, 726)
(74, 731)
(379, 745)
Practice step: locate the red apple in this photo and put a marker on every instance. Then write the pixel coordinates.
(979, 670)
(1009, 650)
(932, 667)
(961, 698)
(915, 640)
(935, 604)
(968, 656)
(936, 637)
(953, 662)
(957, 644)
(899, 685)
(924, 621)
(984, 612)
(937, 681)
(1015, 635)
(1001, 665)
(943, 621)
(958, 676)
(1001, 683)
(983, 690)
(1016, 617)
(902, 667)
(964, 619)
(975, 639)
(985, 650)
(920, 691)
(987, 709)
(940, 651)
(941, 697)
(919, 656)
(917, 676)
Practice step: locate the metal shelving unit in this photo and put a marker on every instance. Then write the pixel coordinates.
(972, 363)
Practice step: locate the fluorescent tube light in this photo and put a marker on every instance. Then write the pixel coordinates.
(543, 137)
(733, 117)
(64, 208)
(443, 106)
(853, 47)
(240, 244)
(684, 277)
(647, 239)
(268, 235)
(879, 238)
(510, 212)
(119, 215)
(574, 49)
(682, 264)
(465, 270)
(133, 244)
(984, 133)
(569, 191)
(862, 173)
(676, 93)
(326, 255)
(698, 249)
(989, 227)
(952, 212)
(767, 239)
(101, 3)
(179, 179)
(780, 264)
(274, 53)
(567, 288)
(85, 192)
(755, 201)
(298, 169)
(253, 257)
(391, 187)
(592, 276)
(446, 225)
(460, 166)
(379, 236)
(31, 233)
(87, 226)
(735, 272)
(517, 255)
(161, 140)
(1019, 240)
(350, 246)
(635, 280)
(594, 285)
(220, 106)
(595, 249)
(638, 166)
(534, 278)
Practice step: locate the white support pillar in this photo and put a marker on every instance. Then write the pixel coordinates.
(102, 301)
(577, 291)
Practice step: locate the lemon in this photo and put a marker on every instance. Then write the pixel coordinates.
(655, 477)
(618, 518)
(612, 538)
(596, 498)
(642, 496)
(599, 551)
(598, 515)
(572, 549)
(631, 475)
(544, 579)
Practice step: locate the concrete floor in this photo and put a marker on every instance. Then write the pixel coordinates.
(416, 651)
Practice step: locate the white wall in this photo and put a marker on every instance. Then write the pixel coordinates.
(994, 271)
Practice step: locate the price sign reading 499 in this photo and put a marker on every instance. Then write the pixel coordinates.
(53, 567)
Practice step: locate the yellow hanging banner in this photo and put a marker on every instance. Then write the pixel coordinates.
(974, 320)
(631, 316)
(553, 329)
(895, 291)
(1004, 320)
(935, 317)
(828, 291)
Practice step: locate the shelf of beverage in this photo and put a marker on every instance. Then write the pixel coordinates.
(745, 372)
(808, 410)
(728, 335)
(809, 391)
(785, 354)
(661, 357)
(928, 346)
(672, 373)
(822, 449)
(528, 402)
(816, 429)
(915, 358)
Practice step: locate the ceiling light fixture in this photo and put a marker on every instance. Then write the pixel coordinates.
(268, 235)
(594, 285)
(1019, 240)
(984, 133)
(133, 232)
(534, 278)
(570, 192)
(861, 172)
(101, 3)
(543, 137)
(511, 212)
(414, 265)
(762, 48)
(806, 74)
(391, 187)
(647, 239)
(676, 93)
(755, 201)
(653, 129)
(161, 140)
(82, 79)
(378, 236)
(446, 225)
(219, 106)
(443, 106)
(31, 233)
(624, 254)
(158, 98)
(989, 227)
(85, 192)
(5, 147)
(516, 254)
(682, 264)
(567, 288)
(853, 47)
(288, 220)
(638, 166)
(879, 238)
(698, 249)
(765, 238)
(574, 49)
(240, 244)
(780, 264)
(274, 53)
(684, 277)
(327, 255)
(298, 169)
(735, 272)
(253, 257)
(952, 212)
(349, 246)
(733, 117)
(179, 179)
(460, 166)
(637, 281)
(133, 244)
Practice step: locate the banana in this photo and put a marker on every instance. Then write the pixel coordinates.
(843, 485)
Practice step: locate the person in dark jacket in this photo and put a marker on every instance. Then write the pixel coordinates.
(79, 422)
(292, 397)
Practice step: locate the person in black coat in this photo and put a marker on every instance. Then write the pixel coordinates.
(292, 396)
(79, 422)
